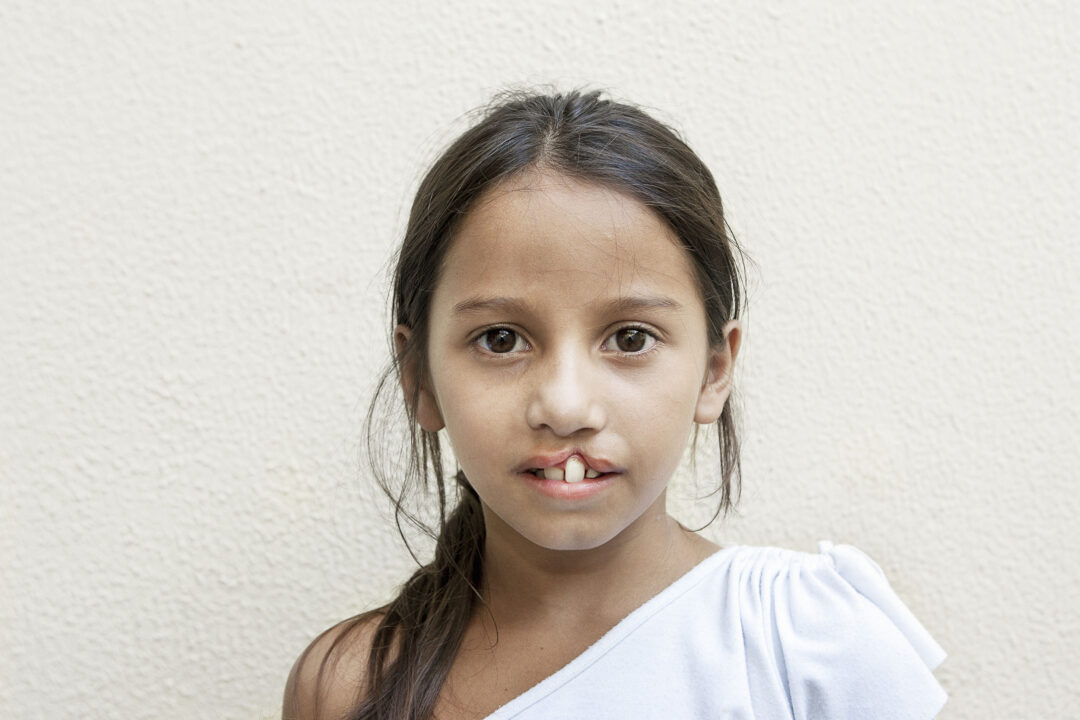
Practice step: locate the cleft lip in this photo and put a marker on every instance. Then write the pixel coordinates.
(542, 461)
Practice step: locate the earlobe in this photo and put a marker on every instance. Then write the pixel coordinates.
(427, 408)
(716, 387)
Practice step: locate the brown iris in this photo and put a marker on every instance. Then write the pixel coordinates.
(500, 340)
(631, 339)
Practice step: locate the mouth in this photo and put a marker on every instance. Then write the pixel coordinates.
(572, 470)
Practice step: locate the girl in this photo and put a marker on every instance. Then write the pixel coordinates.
(567, 301)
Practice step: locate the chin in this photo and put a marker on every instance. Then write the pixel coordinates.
(569, 539)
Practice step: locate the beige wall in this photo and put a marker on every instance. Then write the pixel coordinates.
(197, 201)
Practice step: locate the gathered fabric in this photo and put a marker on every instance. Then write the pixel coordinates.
(755, 633)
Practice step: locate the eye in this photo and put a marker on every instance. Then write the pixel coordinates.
(631, 340)
(501, 341)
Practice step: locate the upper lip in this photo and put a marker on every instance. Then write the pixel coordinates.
(558, 459)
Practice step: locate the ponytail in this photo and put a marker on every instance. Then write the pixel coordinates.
(421, 631)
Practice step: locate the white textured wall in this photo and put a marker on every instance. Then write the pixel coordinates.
(197, 201)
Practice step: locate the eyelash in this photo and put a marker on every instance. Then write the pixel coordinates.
(477, 341)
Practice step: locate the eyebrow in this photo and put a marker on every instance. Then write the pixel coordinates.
(616, 305)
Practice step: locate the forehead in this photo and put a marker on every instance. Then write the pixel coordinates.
(553, 236)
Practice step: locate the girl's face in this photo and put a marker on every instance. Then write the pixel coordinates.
(567, 322)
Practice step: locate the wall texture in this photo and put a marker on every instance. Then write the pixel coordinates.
(197, 204)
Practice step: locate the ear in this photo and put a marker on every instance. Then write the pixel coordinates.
(716, 386)
(427, 409)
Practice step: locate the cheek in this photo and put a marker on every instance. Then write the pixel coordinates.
(663, 416)
(476, 421)
(668, 397)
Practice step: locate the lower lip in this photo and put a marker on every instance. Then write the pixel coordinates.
(562, 490)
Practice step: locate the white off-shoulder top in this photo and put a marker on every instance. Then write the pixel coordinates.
(755, 633)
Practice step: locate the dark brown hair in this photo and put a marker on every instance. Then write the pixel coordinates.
(589, 138)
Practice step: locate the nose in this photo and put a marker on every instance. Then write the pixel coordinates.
(565, 396)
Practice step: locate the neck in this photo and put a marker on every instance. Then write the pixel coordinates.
(524, 582)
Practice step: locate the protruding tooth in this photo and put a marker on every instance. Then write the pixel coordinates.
(590, 473)
(575, 470)
(553, 473)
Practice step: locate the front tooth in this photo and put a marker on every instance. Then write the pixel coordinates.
(575, 470)
(590, 473)
(553, 473)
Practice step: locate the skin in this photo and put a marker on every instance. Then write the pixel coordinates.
(559, 252)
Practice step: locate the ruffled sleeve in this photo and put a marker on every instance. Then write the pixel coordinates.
(848, 646)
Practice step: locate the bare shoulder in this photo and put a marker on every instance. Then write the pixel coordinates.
(328, 677)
